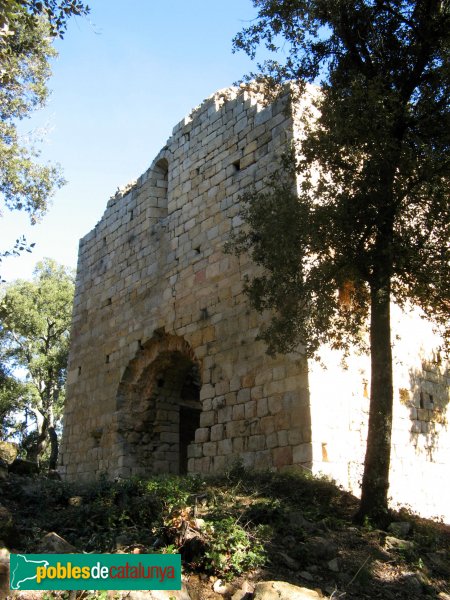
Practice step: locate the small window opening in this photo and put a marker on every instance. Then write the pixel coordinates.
(131, 215)
(107, 359)
(104, 241)
(237, 165)
(197, 250)
(197, 171)
(431, 400)
(421, 400)
(187, 137)
(160, 382)
(203, 314)
(79, 371)
(109, 301)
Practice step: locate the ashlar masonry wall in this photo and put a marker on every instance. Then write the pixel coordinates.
(165, 374)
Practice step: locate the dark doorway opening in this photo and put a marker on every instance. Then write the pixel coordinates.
(189, 422)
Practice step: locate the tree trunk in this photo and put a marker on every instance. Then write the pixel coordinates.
(53, 448)
(34, 452)
(375, 484)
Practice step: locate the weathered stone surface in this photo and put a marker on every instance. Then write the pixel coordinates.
(8, 452)
(333, 565)
(221, 587)
(288, 561)
(280, 590)
(400, 529)
(245, 592)
(296, 519)
(4, 571)
(75, 501)
(320, 548)
(52, 543)
(393, 543)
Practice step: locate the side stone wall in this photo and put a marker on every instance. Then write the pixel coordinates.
(420, 452)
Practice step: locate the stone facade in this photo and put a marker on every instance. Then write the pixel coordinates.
(165, 374)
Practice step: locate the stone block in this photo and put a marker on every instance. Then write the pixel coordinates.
(207, 391)
(194, 451)
(256, 442)
(238, 412)
(274, 404)
(207, 419)
(218, 402)
(238, 444)
(217, 432)
(219, 464)
(243, 395)
(250, 409)
(302, 454)
(205, 465)
(272, 440)
(235, 428)
(282, 438)
(295, 437)
(224, 415)
(202, 435)
(282, 456)
(210, 449)
(263, 460)
(262, 407)
(256, 393)
(267, 425)
(225, 447)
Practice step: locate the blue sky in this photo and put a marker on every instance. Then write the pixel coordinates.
(124, 77)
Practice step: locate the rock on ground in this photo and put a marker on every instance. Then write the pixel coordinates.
(280, 590)
(52, 543)
(8, 452)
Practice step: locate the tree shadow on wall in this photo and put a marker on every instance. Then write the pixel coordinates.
(427, 400)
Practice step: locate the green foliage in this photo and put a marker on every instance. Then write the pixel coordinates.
(35, 321)
(227, 542)
(174, 492)
(27, 28)
(231, 549)
(25, 52)
(374, 166)
(284, 235)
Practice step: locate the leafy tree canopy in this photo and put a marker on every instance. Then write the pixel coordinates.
(35, 321)
(27, 29)
(382, 144)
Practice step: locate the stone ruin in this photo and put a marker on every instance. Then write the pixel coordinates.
(165, 374)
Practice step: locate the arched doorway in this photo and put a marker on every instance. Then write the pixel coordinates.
(159, 407)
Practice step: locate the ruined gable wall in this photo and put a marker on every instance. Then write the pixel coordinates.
(153, 280)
